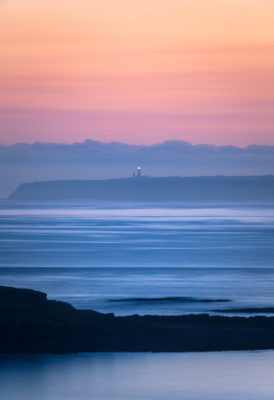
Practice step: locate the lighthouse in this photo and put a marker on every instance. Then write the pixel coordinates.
(138, 174)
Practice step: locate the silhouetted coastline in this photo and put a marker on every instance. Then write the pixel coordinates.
(142, 188)
(30, 323)
(247, 310)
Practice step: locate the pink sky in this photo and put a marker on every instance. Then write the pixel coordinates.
(137, 71)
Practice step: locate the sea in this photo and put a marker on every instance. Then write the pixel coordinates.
(127, 258)
(141, 258)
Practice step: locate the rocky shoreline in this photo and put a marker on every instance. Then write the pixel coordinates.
(30, 323)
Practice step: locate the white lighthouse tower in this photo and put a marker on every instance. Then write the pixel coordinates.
(139, 171)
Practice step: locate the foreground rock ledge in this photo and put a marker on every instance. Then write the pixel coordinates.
(29, 323)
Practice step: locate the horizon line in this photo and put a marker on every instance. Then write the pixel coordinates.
(134, 144)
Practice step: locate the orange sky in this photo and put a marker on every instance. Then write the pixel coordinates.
(139, 71)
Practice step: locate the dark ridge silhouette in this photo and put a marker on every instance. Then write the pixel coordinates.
(29, 323)
(23, 162)
(180, 299)
(212, 188)
(253, 310)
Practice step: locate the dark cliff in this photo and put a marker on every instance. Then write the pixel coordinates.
(215, 188)
(29, 323)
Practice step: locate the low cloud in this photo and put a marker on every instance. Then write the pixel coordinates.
(90, 159)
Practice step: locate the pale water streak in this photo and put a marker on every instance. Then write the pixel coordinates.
(141, 376)
(89, 253)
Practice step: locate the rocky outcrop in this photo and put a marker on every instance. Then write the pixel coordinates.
(29, 323)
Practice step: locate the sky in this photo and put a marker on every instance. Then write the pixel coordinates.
(137, 71)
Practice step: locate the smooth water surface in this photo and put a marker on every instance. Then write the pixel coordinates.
(114, 257)
(139, 376)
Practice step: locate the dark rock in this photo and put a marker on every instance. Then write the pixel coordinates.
(247, 310)
(29, 323)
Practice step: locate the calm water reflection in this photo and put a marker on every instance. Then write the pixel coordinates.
(90, 253)
(141, 376)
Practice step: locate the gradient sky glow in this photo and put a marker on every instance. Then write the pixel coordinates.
(137, 71)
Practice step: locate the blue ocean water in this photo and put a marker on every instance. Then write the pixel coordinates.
(139, 376)
(114, 257)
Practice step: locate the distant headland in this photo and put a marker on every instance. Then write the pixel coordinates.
(145, 188)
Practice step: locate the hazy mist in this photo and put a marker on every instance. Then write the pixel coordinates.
(92, 159)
